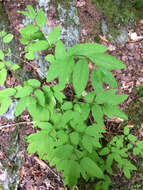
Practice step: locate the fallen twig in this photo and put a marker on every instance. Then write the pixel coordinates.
(16, 124)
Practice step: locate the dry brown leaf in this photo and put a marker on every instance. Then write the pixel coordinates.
(22, 171)
(130, 126)
(62, 188)
(141, 21)
(141, 130)
(133, 41)
(103, 38)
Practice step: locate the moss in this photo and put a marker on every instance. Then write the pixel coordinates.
(119, 13)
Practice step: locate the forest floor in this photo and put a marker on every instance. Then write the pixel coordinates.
(36, 174)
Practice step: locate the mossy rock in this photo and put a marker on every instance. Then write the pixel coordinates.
(119, 13)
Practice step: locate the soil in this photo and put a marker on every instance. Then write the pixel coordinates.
(36, 174)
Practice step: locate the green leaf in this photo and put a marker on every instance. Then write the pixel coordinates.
(126, 130)
(74, 137)
(66, 117)
(14, 67)
(7, 92)
(52, 72)
(86, 49)
(67, 106)
(28, 30)
(109, 96)
(1, 65)
(70, 176)
(3, 75)
(61, 69)
(132, 138)
(50, 58)
(38, 145)
(54, 35)
(38, 112)
(39, 35)
(95, 130)
(34, 83)
(87, 143)
(85, 110)
(4, 104)
(112, 110)
(1, 54)
(136, 151)
(8, 38)
(117, 156)
(106, 61)
(59, 96)
(108, 164)
(50, 99)
(89, 97)
(2, 34)
(64, 70)
(140, 144)
(127, 172)
(40, 97)
(104, 151)
(60, 51)
(44, 125)
(41, 18)
(24, 40)
(24, 91)
(96, 81)
(31, 11)
(80, 76)
(38, 46)
(97, 114)
(62, 138)
(98, 185)
(67, 149)
(68, 166)
(22, 104)
(30, 55)
(91, 168)
(108, 77)
(128, 164)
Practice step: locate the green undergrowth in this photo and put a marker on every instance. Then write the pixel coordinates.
(71, 133)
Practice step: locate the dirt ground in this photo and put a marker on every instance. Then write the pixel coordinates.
(34, 173)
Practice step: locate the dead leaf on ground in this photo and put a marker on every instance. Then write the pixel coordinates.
(62, 188)
(22, 171)
(141, 21)
(141, 130)
(103, 38)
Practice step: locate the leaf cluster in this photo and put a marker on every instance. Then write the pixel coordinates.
(68, 138)
(5, 64)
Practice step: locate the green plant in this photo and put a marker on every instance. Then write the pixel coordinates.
(68, 137)
(5, 64)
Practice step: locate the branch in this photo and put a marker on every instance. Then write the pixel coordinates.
(16, 124)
